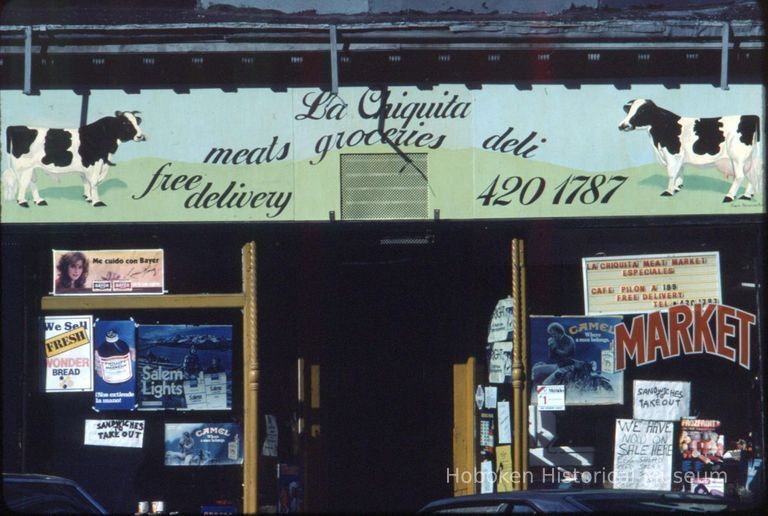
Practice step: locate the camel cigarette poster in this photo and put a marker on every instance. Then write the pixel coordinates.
(68, 352)
(203, 444)
(646, 283)
(661, 401)
(185, 367)
(568, 351)
(135, 271)
(642, 456)
(120, 433)
(114, 360)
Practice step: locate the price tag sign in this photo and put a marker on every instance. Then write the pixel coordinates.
(551, 397)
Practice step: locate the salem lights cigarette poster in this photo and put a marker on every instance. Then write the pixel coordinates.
(185, 367)
(68, 349)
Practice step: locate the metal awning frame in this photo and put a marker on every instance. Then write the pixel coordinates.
(643, 35)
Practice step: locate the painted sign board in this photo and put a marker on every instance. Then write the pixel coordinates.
(645, 283)
(496, 152)
(121, 272)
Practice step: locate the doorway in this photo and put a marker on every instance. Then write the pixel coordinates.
(387, 385)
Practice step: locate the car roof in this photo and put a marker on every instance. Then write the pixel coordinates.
(36, 477)
(545, 497)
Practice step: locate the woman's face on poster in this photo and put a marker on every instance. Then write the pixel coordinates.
(75, 270)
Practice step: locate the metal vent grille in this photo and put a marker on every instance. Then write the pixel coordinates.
(384, 187)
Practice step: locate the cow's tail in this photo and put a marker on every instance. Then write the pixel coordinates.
(757, 166)
(9, 184)
(755, 173)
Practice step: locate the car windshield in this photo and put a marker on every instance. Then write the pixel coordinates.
(655, 504)
(45, 498)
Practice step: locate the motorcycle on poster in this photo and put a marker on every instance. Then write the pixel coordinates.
(569, 351)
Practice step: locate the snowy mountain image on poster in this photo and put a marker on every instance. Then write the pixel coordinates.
(184, 367)
(570, 351)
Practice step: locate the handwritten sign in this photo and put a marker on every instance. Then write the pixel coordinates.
(505, 428)
(641, 284)
(135, 271)
(642, 456)
(121, 433)
(661, 401)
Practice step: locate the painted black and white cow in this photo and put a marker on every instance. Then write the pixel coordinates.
(729, 143)
(87, 151)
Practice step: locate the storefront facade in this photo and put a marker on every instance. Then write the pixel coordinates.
(345, 198)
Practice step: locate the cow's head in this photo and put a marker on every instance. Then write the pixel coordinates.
(639, 113)
(128, 126)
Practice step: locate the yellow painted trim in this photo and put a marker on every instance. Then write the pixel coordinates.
(463, 427)
(314, 386)
(517, 373)
(138, 302)
(251, 384)
(526, 398)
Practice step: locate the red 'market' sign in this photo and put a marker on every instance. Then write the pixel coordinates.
(687, 330)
